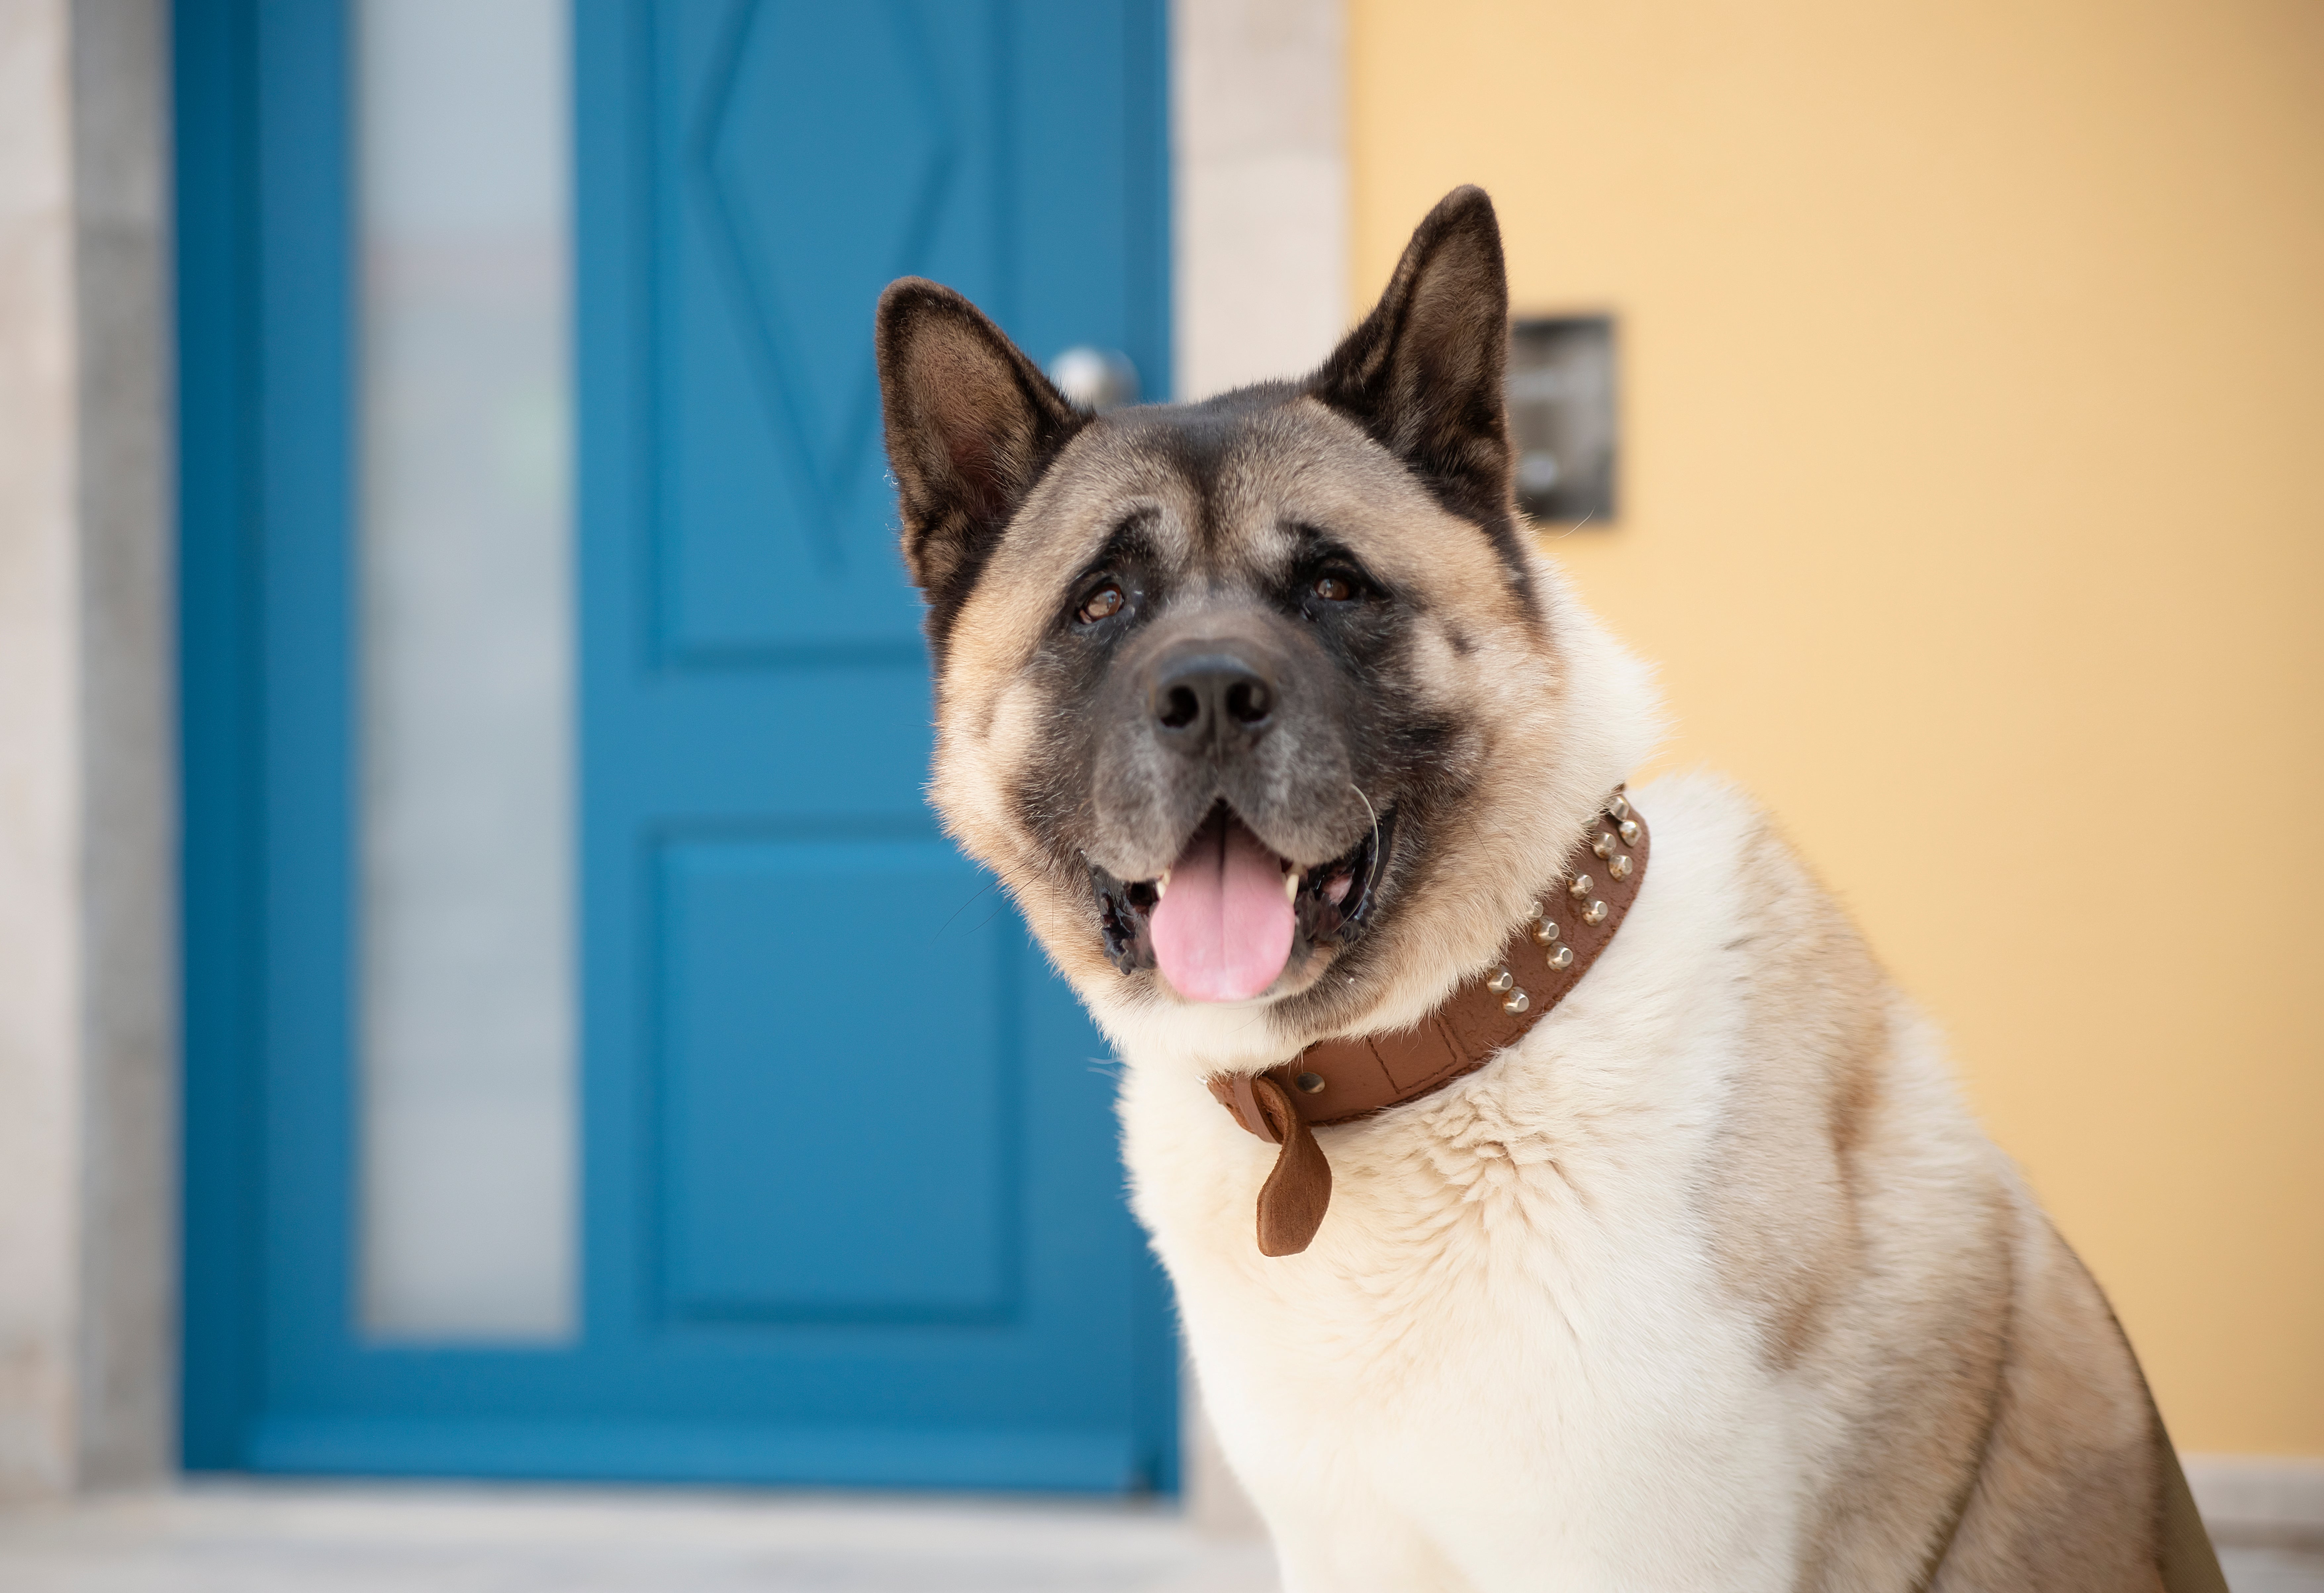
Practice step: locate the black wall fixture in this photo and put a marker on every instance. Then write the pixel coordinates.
(1562, 416)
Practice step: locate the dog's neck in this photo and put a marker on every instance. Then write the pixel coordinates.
(1340, 1079)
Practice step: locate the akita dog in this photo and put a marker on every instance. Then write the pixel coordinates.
(1531, 1229)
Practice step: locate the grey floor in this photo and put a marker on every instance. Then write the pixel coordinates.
(319, 1539)
(303, 1539)
(2273, 1571)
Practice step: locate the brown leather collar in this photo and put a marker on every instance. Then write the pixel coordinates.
(1338, 1080)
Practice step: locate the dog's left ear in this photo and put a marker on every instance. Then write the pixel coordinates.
(971, 423)
(1424, 372)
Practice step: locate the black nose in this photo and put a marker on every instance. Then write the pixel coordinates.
(1211, 696)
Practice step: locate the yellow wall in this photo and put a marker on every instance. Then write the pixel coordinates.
(1974, 505)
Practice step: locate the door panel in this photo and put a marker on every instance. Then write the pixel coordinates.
(786, 200)
(859, 1166)
(849, 1200)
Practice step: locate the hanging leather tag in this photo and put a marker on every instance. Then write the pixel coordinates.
(1296, 1194)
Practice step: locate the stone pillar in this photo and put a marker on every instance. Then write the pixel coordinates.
(88, 796)
(1260, 188)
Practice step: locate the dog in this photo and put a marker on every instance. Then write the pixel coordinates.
(1282, 731)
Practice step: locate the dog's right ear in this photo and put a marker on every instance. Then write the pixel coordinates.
(971, 422)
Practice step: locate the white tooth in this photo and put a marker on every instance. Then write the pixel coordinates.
(1161, 884)
(1291, 888)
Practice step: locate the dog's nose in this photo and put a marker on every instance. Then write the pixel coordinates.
(1211, 697)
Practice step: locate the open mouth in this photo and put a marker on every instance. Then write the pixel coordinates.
(1225, 920)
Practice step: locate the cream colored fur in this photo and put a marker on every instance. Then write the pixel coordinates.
(1708, 1283)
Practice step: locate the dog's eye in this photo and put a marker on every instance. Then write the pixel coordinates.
(1334, 588)
(1102, 604)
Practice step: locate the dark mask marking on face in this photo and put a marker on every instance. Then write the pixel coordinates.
(973, 427)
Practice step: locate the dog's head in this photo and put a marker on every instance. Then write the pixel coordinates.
(1265, 708)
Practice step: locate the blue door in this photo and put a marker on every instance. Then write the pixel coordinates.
(845, 1205)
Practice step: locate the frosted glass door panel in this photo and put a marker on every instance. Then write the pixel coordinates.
(468, 1080)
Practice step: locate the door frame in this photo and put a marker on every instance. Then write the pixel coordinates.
(264, 232)
(227, 405)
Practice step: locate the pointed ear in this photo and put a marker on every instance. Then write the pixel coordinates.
(1424, 372)
(971, 423)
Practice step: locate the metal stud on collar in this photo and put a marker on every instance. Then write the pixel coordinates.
(1620, 866)
(1562, 958)
(1545, 933)
(1619, 808)
(1581, 885)
(1313, 1083)
(1516, 1003)
(1595, 913)
(1502, 979)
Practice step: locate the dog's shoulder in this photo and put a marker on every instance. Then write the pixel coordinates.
(1721, 856)
(1731, 930)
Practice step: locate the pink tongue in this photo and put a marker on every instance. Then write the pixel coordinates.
(1223, 930)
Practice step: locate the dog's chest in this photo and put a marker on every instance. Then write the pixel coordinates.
(1512, 1280)
(1494, 1203)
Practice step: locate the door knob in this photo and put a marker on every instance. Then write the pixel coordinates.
(1095, 378)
